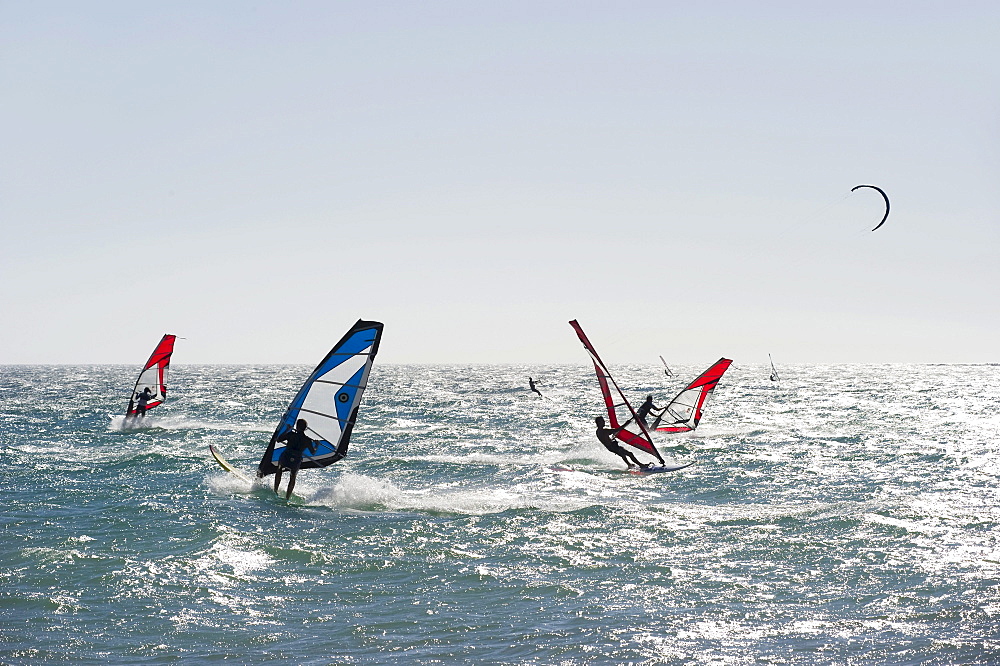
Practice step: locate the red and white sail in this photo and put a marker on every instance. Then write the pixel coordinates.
(154, 375)
(684, 412)
(620, 412)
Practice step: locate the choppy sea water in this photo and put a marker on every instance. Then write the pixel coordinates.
(846, 515)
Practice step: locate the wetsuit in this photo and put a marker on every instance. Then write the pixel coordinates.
(295, 445)
(606, 436)
(644, 409)
(531, 384)
(142, 400)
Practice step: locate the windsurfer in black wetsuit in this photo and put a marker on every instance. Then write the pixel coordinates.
(645, 408)
(606, 436)
(531, 385)
(141, 402)
(296, 442)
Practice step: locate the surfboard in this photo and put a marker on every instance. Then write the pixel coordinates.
(226, 465)
(239, 474)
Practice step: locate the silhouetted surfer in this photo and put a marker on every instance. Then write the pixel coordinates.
(531, 385)
(606, 436)
(296, 443)
(141, 402)
(645, 408)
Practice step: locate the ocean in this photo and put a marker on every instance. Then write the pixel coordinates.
(848, 514)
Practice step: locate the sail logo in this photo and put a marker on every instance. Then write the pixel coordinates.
(343, 397)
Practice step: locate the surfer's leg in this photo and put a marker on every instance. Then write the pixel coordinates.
(291, 482)
(277, 480)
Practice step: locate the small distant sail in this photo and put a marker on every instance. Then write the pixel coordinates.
(666, 368)
(774, 371)
(620, 412)
(153, 375)
(329, 399)
(685, 411)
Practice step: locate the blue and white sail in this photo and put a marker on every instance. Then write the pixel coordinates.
(329, 399)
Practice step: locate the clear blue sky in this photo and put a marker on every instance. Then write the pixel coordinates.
(254, 176)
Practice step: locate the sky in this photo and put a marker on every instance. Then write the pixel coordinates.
(256, 176)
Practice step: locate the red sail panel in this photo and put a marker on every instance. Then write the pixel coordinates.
(685, 411)
(154, 375)
(620, 412)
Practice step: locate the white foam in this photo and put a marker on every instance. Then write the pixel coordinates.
(183, 422)
(358, 491)
(229, 484)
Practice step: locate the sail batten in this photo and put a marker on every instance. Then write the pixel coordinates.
(326, 381)
(329, 399)
(309, 411)
(153, 375)
(620, 414)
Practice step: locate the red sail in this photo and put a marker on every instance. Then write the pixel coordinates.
(154, 375)
(684, 412)
(620, 412)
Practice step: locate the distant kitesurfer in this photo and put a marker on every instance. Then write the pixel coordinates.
(645, 408)
(296, 442)
(141, 402)
(531, 384)
(606, 436)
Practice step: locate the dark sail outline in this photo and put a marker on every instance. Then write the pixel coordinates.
(329, 399)
(884, 197)
(154, 375)
(684, 412)
(634, 432)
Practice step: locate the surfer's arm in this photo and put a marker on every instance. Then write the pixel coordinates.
(620, 428)
(613, 432)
